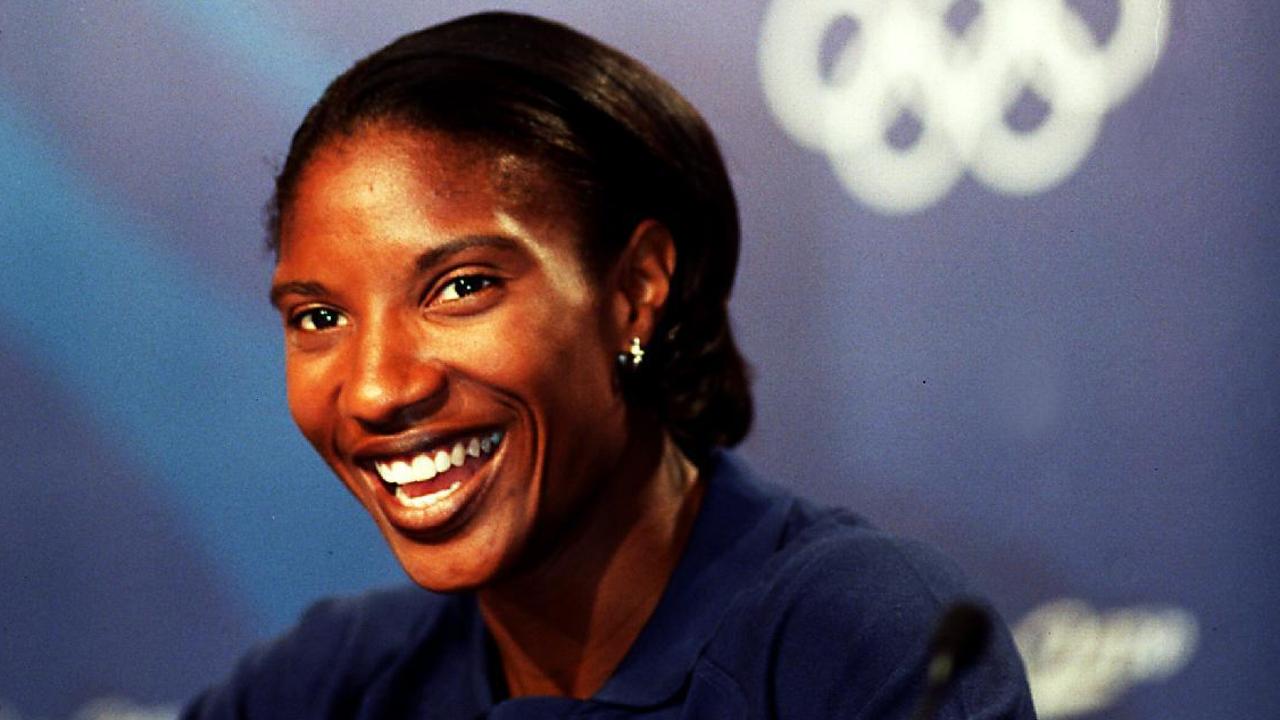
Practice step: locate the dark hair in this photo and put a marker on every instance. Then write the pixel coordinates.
(621, 143)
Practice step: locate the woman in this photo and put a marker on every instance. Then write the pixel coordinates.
(504, 255)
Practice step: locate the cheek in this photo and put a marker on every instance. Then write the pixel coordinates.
(551, 357)
(305, 386)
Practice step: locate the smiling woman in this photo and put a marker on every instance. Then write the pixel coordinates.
(421, 323)
(504, 256)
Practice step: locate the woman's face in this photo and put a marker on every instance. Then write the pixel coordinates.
(446, 352)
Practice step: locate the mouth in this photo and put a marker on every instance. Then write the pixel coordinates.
(426, 488)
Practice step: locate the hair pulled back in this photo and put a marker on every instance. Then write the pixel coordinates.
(622, 145)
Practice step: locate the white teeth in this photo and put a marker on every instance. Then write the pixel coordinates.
(400, 472)
(426, 465)
(423, 466)
(442, 461)
(429, 499)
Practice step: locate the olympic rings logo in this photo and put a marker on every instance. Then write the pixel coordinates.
(904, 58)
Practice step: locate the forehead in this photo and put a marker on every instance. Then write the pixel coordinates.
(373, 203)
(398, 171)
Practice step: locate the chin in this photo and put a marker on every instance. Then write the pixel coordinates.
(459, 565)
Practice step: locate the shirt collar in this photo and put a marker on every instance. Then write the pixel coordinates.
(738, 527)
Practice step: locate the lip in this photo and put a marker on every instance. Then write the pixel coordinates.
(447, 515)
(365, 453)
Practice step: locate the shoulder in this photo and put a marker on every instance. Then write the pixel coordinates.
(836, 564)
(833, 565)
(838, 621)
(836, 580)
(338, 648)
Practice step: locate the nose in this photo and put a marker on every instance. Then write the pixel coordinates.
(393, 382)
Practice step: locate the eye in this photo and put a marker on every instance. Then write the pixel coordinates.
(318, 319)
(463, 286)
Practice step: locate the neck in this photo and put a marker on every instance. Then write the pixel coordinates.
(563, 626)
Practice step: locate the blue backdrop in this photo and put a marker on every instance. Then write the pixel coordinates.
(1011, 284)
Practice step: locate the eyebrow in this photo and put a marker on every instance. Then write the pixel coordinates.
(296, 287)
(426, 261)
(436, 255)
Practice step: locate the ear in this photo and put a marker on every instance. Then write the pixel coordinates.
(643, 281)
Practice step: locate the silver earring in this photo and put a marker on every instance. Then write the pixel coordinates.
(633, 356)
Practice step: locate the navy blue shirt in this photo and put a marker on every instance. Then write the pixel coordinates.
(777, 609)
